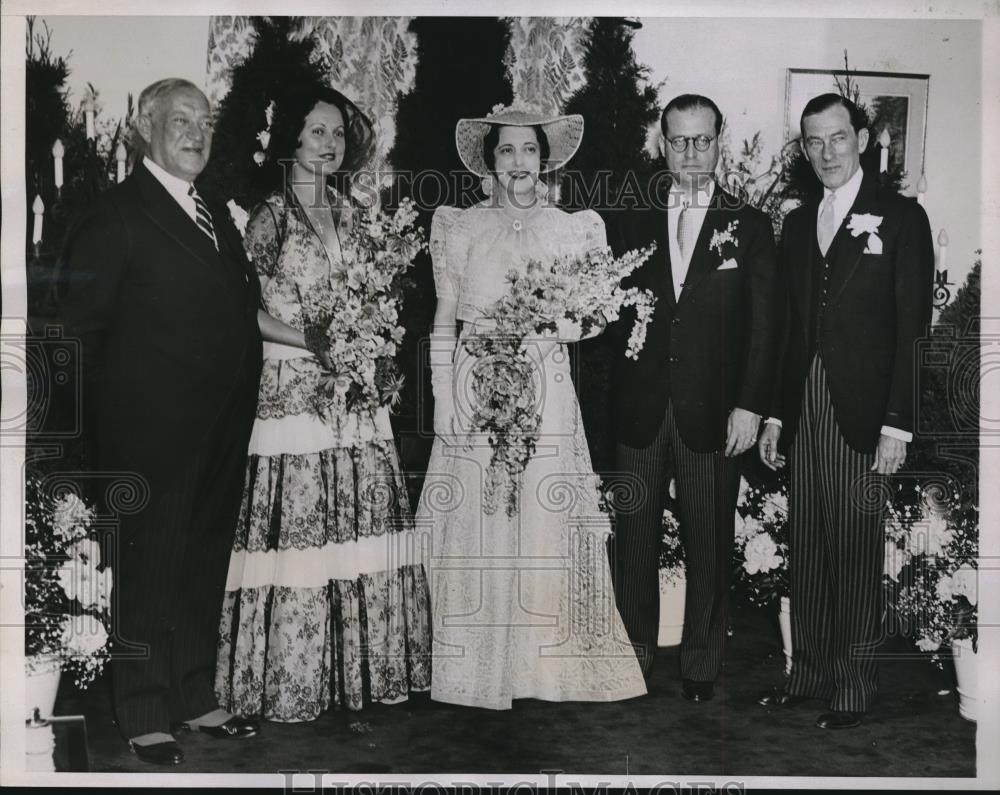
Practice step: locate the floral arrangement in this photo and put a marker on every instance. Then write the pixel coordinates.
(931, 571)
(671, 549)
(572, 299)
(355, 317)
(67, 592)
(761, 547)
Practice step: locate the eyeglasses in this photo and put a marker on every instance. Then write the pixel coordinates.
(701, 142)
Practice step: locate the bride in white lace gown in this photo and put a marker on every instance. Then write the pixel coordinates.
(522, 604)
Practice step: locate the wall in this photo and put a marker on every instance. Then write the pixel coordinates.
(741, 65)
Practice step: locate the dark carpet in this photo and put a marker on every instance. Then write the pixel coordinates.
(915, 729)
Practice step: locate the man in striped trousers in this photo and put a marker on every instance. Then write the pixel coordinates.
(692, 402)
(857, 263)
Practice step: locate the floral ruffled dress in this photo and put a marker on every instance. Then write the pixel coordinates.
(326, 600)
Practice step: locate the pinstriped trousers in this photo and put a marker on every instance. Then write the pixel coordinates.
(836, 554)
(169, 587)
(707, 490)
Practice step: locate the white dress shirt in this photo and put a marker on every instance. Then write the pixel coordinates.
(843, 200)
(176, 187)
(675, 203)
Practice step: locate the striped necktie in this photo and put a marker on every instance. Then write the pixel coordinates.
(202, 216)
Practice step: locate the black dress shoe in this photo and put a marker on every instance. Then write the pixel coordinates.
(235, 728)
(839, 720)
(165, 753)
(693, 690)
(780, 698)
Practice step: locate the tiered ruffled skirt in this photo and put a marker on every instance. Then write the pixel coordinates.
(326, 600)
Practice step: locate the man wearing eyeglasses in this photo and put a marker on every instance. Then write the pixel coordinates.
(164, 303)
(858, 264)
(692, 402)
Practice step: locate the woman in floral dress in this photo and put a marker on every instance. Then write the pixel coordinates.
(326, 603)
(522, 604)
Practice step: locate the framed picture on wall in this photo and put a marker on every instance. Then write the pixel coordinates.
(895, 102)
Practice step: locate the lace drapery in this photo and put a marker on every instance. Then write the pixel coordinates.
(545, 59)
(372, 60)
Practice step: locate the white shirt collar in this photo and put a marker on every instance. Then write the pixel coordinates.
(703, 196)
(177, 187)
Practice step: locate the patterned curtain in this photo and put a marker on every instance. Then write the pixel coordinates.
(545, 59)
(371, 59)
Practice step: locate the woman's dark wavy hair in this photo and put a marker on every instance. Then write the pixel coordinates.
(290, 111)
(492, 138)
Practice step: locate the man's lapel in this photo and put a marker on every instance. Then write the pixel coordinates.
(844, 254)
(704, 260)
(161, 208)
(658, 264)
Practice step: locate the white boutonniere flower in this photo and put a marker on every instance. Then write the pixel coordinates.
(722, 237)
(239, 215)
(866, 223)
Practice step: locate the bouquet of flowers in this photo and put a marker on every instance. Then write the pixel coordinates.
(931, 569)
(762, 542)
(355, 317)
(67, 592)
(573, 298)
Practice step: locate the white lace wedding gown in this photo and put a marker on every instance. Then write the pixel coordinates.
(523, 605)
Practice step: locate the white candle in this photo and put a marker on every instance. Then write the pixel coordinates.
(921, 189)
(57, 153)
(38, 208)
(121, 155)
(884, 141)
(88, 115)
(943, 250)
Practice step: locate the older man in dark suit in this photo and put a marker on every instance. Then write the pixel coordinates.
(165, 305)
(858, 265)
(693, 400)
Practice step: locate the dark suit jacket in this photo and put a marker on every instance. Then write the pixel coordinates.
(877, 306)
(167, 326)
(711, 350)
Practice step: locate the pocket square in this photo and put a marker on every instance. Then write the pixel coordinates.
(728, 264)
(874, 244)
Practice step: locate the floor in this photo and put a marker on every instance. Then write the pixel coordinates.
(915, 729)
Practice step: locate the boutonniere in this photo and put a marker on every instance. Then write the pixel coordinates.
(865, 223)
(725, 237)
(239, 216)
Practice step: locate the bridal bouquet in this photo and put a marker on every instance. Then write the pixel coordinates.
(354, 318)
(67, 592)
(573, 298)
(931, 571)
(762, 542)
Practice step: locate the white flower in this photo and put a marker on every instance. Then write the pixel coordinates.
(747, 528)
(761, 554)
(929, 537)
(965, 583)
(239, 215)
(84, 636)
(80, 579)
(895, 559)
(71, 517)
(928, 644)
(862, 223)
(721, 237)
(264, 137)
(945, 588)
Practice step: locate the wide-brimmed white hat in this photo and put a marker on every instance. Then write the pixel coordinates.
(564, 134)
